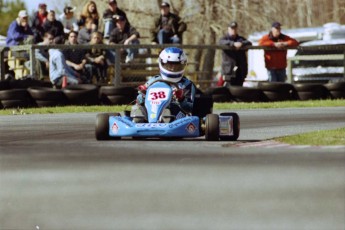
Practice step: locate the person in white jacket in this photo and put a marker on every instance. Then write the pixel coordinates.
(68, 20)
(58, 68)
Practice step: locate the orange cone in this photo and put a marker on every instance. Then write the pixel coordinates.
(64, 82)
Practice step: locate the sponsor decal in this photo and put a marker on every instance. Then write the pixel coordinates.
(153, 115)
(114, 128)
(180, 122)
(151, 125)
(191, 128)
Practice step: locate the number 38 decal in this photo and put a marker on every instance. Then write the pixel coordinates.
(158, 94)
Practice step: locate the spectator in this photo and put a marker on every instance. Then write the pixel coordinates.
(54, 26)
(84, 35)
(59, 69)
(109, 16)
(96, 58)
(275, 60)
(168, 27)
(19, 31)
(42, 56)
(234, 61)
(37, 22)
(75, 58)
(68, 20)
(125, 34)
(89, 11)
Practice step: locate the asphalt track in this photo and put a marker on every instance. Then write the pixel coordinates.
(55, 175)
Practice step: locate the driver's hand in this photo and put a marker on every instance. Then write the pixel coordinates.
(142, 89)
(179, 94)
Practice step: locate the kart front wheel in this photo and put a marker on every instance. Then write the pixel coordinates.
(102, 126)
(212, 127)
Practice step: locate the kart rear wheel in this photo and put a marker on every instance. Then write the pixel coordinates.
(235, 127)
(102, 126)
(212, 127)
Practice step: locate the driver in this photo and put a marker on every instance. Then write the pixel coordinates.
(172, 64)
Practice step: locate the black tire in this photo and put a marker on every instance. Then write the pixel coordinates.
(220, 94)
(26, 83)
(245, 94)
(236, 127)
(102, 126)
(337, 90)
(111, 95)
(112, 90)
(203, 105)
(312, 91)
(47, 97)
(6, 104)
(278, 91)
(4, 85)
(120, 99)
(86, 94)
(212, 127)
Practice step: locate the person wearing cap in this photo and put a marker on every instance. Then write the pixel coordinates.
(234, 61)
(69, 22)
(19, 31)
(276, 60)
(125, 34)
(54, 26)
(109, 17)
(37, 21)
(168, 28)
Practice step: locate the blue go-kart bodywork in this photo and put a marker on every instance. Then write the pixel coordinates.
(156, 124)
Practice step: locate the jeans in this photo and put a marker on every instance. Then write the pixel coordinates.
(164, 37)
(131, 52)
(108, 27)
(276, 75)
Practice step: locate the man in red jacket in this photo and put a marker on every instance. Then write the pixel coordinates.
(275, 60)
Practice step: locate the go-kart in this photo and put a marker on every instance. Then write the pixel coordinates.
(155, 122)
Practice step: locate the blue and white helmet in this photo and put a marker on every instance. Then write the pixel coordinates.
(172, 63)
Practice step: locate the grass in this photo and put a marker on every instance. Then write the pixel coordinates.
(221, 106)
(317, 138)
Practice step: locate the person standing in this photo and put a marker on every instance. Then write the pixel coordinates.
(276, 59)
(234, 61)
(168, 28)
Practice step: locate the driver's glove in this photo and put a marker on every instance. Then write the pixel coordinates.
(179, 94)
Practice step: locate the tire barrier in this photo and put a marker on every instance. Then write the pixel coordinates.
(220, 94)
(84, 94)
(47, 97)
(337, 90)
(278, 91)
(111, 95)
(245, 94)
(88, 94)
(312, 91)
(15, 98)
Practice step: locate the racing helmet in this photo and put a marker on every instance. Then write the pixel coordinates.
(172, 63)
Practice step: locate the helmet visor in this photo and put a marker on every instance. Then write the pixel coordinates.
(173, 66)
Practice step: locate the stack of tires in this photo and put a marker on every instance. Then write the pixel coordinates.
(278, 91)
(337, 90)
(111, 95)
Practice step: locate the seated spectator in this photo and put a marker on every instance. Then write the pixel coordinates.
(109, 16)
(125, 34)
(84, 35)
(37, 22)
(19, 31)
(96, 58)
(89, 11)
(54, 26)
(168, 27)
(58, 68)
(42, 56)
(75, 58)
(68, 20)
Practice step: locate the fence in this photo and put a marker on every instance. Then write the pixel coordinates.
(202, 60)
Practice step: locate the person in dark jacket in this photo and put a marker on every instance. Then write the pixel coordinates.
(19, 31)
(168, 27)
(234, 61)
(109, 17)
(37, 22)
(125, 34)
(54, 26)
